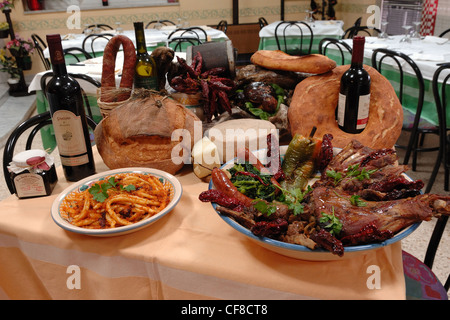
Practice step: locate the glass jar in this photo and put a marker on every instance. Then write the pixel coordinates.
(33, 174)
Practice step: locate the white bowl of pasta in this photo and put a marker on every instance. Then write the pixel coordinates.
(116, 202)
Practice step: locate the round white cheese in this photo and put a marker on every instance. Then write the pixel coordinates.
(233, 135)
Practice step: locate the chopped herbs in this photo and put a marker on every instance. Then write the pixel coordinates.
(352, 171)
(334, 225)
(100, 191)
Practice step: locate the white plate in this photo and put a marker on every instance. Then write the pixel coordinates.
(63, 223)
(299, 251)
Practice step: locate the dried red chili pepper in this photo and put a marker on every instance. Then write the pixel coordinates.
(216, 196)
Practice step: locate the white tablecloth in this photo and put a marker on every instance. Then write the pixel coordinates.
(92, 68)
(152, 38)
(426, 53)
(319, 27)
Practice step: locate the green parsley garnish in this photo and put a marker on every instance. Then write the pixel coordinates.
(100, 191)
(264, 207)
(352, 171)
(334, 224)
(293, 198)
(356, 201)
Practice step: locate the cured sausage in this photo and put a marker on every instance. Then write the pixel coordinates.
(109, 64)
(222, 183)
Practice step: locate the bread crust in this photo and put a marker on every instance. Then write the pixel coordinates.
(279, 60)
(315, 100)
(139, 134)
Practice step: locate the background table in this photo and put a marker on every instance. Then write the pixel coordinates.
(426, 53)
(321, 29)
(153, 38)
(190, 253)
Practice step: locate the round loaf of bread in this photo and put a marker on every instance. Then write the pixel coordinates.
(279, 60)
(314, 104)
(139, 134)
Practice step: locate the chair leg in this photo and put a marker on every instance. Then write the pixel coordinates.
(409, 147)
(435, 171)
(434, 241)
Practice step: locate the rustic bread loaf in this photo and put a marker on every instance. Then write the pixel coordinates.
(139, 134)
(278, 60)
(315, 100)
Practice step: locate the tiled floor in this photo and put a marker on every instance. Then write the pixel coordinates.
(14, 110)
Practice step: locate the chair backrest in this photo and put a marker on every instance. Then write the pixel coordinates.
(40, 45)
(190, 32)
(34, 123)
(401, 60)
(75, 52)
(440, 96)
(262, 22)
(444, 33)
(90, 40)
(46, 76)
(354, 31)
(178, 41)
(192, 36)
(441, 78)
(95, 27)
(222, 25)
(284, 42)
(152, 24)
(338, 44)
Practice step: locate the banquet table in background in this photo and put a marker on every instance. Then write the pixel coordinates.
(321, 29)
(427, 53)
(153, 38)
(190, 253)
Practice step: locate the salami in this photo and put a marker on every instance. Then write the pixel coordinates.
(109, 64)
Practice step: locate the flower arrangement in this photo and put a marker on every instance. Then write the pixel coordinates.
(8, 64)
(21, 46)
(7, 4)
(4, 25)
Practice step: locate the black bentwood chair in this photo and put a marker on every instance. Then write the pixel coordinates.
(284, 42)
(40, 45)
(154, 23)
(75, 52)
(34, 123)
(343, 47)
(92, 38)
(440, 98)
(412, 121)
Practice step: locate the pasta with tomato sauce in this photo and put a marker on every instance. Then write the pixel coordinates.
(117, 200)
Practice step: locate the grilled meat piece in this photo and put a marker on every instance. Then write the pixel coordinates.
(393, 215)
(372, 174)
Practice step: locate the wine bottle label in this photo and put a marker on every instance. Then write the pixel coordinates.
(146, 82)
(74, 161)
(69, 135)
(29, 185)
(363, 110)
(341, 109)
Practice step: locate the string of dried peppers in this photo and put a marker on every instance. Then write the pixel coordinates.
(212, 83)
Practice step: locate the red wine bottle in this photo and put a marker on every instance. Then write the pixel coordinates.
(354, 94)
(68, 117)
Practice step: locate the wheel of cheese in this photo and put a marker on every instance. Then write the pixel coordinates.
(231, 135)
(315, 100)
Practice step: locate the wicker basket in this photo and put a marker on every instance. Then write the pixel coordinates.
(107, 107)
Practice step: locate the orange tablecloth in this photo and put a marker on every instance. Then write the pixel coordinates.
(188, 254)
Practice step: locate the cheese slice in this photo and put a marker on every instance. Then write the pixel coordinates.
(233, 135)
(205, 157)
